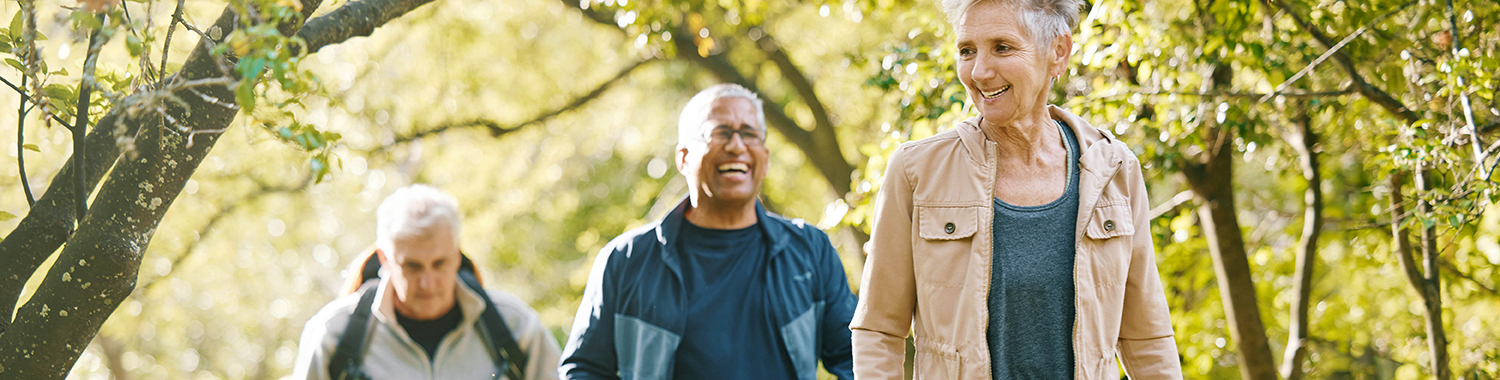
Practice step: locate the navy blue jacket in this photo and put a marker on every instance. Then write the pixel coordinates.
(633, 310)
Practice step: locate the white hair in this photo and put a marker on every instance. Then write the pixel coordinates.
(412, 211)
(690, 123)
(1041, 19)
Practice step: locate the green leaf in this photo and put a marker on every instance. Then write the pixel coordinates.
(16, 64)
(255, 67)
(134, 44)
(31, 147)
(57, 91)
(5, 216)
(15, 25)
(245, 96)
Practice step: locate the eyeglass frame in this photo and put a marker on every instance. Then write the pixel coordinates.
(756, 137)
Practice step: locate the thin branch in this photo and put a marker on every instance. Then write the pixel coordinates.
(1452, 269)
(1375, 94)
(27, 98)
(1225, 94)
(21, 145)
(497, 130)
(1463, 93)
(166, 44)
(262, 191)
(1332, 50)
(1171, 204)
(80, 134)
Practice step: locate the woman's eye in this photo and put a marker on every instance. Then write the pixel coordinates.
(1002, 48)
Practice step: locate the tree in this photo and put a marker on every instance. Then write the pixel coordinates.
(170, 127)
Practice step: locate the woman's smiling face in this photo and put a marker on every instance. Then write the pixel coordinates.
(1004, 70)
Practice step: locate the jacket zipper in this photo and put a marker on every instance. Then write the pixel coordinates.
(1077, 239)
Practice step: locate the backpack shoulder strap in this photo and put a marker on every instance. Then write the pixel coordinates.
(348, 358)
(508, 354)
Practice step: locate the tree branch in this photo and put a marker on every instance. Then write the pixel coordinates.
(835, 171)
(65, 313)
(1375, 94)
(80, 127)
(21, 147)
(823, 133)
(496, 130)
(262, 191)
(1178, 200)
(1451, 269)
(26, 98)
(1332, 50)
(354, 19)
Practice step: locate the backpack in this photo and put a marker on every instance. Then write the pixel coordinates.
(347, 362)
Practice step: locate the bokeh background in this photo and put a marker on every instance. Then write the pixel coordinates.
(552, 122)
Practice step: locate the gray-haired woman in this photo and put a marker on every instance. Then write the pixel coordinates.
(1019, 241)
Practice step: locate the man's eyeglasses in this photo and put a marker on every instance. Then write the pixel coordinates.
(721, 136)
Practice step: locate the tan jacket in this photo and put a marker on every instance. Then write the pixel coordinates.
(922, 269)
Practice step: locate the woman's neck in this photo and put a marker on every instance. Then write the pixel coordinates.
(1026, 140)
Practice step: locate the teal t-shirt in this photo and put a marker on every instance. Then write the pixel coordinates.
(1030, 332)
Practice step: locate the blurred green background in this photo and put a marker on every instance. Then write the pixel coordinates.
(553, 124)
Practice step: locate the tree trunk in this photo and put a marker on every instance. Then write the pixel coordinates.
(1307, 247)
(1213, 182)
(1431, 289)
(1427, 289)
(1211, 176)
(97, 268)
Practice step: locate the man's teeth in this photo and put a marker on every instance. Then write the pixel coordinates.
(996, 93)
(734, 167)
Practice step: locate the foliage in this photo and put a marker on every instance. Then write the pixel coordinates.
(472, 96)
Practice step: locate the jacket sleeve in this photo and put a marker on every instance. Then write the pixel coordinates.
(882, 319)
(314, 348)
(835, 350)
(1146, 345)
(541, 350)
(590, 353)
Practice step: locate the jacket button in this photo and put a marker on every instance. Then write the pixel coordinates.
(1109, 225)
(948, 228)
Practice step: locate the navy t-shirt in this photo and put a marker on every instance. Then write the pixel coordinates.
(729, 334)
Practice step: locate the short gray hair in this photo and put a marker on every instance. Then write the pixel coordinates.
(690, 123)
(414, 211)
(1042, 19)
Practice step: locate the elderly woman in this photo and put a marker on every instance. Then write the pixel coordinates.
(1018, 241)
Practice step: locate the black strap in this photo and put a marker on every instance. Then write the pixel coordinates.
(348, 359)
(500, 337)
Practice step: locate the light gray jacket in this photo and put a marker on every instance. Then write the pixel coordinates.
(463, 354)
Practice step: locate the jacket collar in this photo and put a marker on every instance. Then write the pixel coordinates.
(469, 303)
(671, 225)
(1096, 157)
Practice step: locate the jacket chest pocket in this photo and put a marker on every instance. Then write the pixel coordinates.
(1108, 238)
(947, 236)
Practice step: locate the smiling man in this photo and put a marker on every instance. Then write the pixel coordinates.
(719, 288)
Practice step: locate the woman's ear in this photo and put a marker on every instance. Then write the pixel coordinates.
(1062, 49)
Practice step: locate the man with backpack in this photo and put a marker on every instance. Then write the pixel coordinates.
(416, 309)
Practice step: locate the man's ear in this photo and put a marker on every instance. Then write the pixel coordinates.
(682, 154)
(381, 255)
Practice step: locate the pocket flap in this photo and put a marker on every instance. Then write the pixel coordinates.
(1110, 221)
(948, 223)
